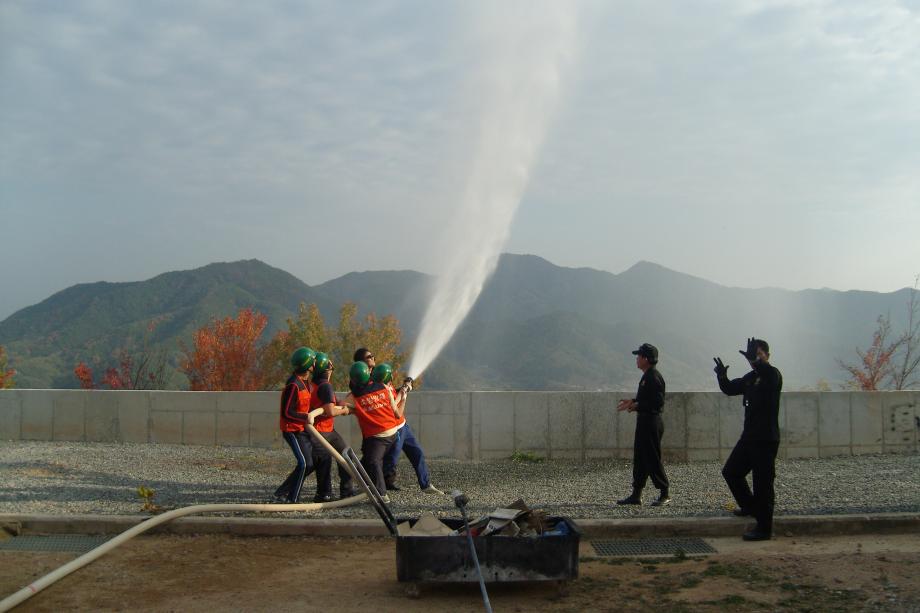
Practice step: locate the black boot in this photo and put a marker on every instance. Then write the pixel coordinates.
(758, 534)
(634, 498)
(663, 499)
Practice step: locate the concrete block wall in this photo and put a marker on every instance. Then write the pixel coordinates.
(699, 426)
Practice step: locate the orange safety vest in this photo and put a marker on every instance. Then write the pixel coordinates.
(294, 408)
(322, 423)
(374, 411)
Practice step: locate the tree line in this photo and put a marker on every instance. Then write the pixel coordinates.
(227, 354)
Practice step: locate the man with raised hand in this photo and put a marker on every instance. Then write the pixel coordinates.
(756, 450)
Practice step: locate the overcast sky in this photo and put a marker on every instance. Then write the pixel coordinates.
(749, 143)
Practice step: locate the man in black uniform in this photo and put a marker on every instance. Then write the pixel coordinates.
(647, 405)
(755, 452)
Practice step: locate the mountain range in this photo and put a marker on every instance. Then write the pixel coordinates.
(536, 325)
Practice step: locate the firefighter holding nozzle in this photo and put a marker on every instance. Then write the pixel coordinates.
(756, 451)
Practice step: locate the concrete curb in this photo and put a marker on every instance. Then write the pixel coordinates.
(795, 525)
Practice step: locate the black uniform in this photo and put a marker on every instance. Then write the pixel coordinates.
(649, 430)
(756, 451)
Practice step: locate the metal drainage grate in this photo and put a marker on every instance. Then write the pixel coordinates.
(651, 547)
(77, 543)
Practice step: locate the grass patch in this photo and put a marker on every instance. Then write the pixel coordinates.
(526, 457)
(742, 572)
(689, 581)
(808, 598)
(733, 599)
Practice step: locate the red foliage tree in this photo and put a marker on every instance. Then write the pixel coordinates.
(6, 376)
(225, 354)
(148, 371)
(84, 375)
(875, 362)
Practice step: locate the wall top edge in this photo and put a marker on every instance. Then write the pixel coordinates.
(444, 393)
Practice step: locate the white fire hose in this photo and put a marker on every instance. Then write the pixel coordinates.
(36, 586)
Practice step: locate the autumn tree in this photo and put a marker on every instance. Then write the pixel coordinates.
(904, 373)
(146, 371)
(6, 374)
(891, 362)
(308, 328)
(874, 365)
(382, 335)
(225, 354)
(142, 369)
(84, 375)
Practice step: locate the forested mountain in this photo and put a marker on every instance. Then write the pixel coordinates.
(535, 326)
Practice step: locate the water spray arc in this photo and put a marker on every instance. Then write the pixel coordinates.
(518, 89)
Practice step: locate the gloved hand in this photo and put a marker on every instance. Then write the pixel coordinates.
(751, 352)
(721, 369)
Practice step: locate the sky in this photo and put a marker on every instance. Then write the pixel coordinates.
(750, 143)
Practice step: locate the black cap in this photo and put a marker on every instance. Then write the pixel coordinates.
(647, 350)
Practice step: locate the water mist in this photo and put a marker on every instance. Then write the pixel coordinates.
(530, 44)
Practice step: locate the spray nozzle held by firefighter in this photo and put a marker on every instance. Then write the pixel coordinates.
(406, 385)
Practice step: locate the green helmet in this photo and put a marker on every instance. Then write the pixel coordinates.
(360, 373)
(302, 359)
(323, 363)
(382, 373)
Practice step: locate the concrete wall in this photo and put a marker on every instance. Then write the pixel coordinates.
(477, 425)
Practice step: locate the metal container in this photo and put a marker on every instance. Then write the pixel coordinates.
(550, 557)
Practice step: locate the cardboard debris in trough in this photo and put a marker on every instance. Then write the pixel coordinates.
(515, 520)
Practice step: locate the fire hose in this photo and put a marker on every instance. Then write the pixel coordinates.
(36, 586)
(460, 500)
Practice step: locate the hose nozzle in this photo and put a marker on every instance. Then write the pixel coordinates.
(460, 499)
(406, 385)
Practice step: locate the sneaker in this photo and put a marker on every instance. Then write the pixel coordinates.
(432, 490)
(322, 498)
(348, 493)
(630, 500)
(742, 512)
(392, 487)
(757, 535)
(663, 499)
(385, 499)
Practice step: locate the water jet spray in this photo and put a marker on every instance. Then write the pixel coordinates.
(518, 92)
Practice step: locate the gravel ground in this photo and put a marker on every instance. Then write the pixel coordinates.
(97, 478)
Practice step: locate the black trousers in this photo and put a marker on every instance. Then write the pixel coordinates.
(759, 458)
(373, 448)
(301, 446)
(323, 460)
(647, 452)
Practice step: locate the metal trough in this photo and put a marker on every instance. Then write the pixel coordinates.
(550, 557)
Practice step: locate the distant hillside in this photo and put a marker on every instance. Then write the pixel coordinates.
(535, 326)
(93, 320)
(403, 293)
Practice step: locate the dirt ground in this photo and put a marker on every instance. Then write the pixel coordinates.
(224, 573)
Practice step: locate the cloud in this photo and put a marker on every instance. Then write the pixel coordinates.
(154, 120)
